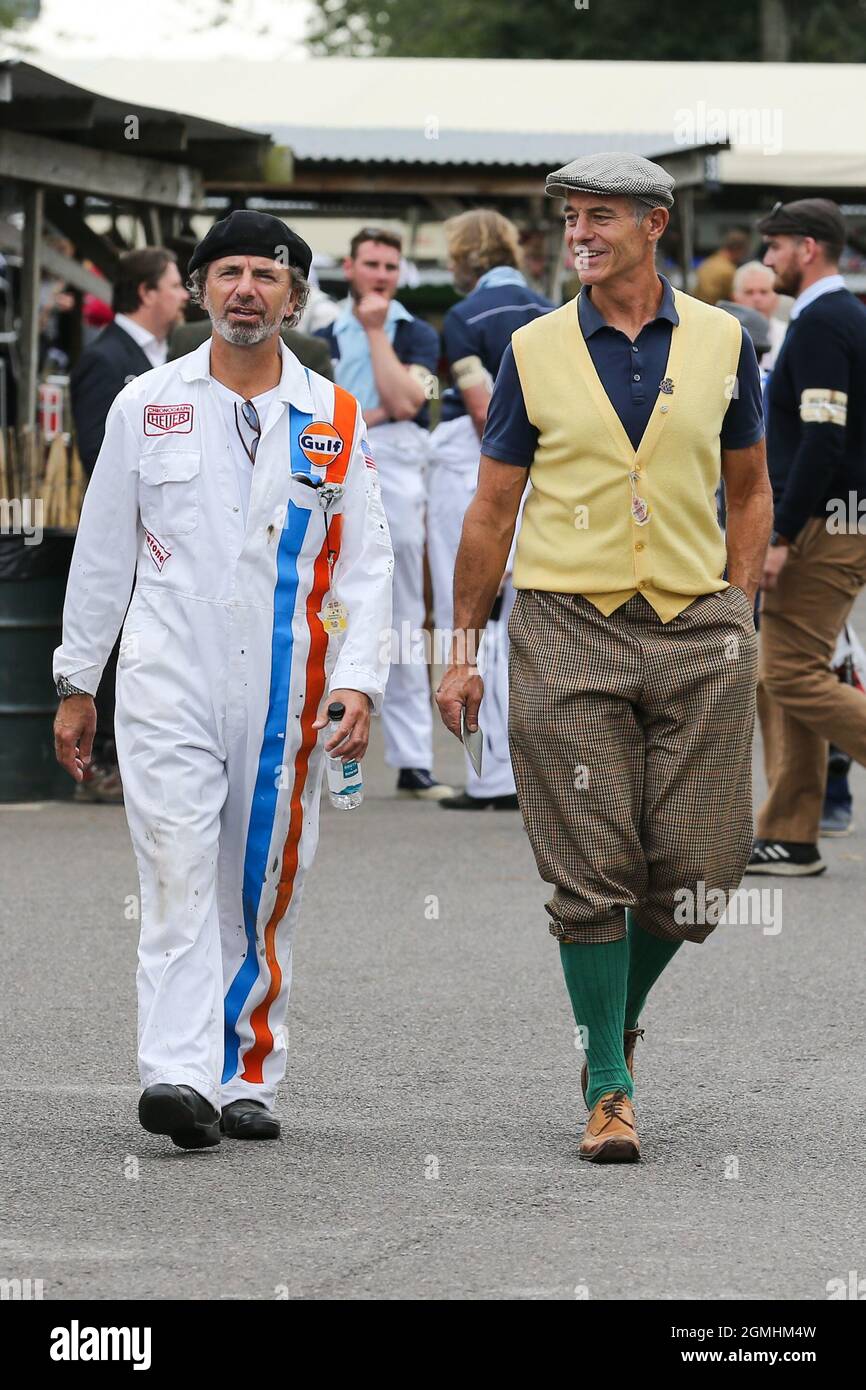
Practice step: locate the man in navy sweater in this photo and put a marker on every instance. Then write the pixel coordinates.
(816, 562)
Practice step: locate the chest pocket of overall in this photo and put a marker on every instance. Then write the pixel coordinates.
(168, 491)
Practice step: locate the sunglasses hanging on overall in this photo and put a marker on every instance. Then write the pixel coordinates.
(251, 417)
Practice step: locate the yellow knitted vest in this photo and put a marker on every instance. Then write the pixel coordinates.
(581, 531)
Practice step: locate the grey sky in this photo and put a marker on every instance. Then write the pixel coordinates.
(168, 28)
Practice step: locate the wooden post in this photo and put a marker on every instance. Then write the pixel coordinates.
(32, 200)
(686, 202)
(152, 226)
(412, 220)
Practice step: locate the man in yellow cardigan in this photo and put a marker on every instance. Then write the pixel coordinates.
(633, 650)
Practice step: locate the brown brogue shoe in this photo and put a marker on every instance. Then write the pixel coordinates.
(629, 1038)
(610, 1135)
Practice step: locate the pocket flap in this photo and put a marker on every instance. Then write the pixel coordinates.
(170, 465)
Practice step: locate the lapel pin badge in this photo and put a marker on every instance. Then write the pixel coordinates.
(328, 495)
(666, 386)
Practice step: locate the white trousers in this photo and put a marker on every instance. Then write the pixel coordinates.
(453, 477)
(224, 821)
(400, 450)
(223, 665)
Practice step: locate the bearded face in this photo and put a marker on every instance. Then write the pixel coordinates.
(247, 298)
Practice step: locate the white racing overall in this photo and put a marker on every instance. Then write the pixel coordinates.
(400, 448)
(223, 663)
(454, 453)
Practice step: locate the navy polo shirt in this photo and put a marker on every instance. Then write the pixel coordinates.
(481, 326)
(630, 374)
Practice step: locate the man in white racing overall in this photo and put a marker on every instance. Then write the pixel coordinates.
(236, 488)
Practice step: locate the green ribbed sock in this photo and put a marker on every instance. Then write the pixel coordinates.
(647, 957)
(596, 977)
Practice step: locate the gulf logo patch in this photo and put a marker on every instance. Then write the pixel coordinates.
(320, 443)
(168, 419)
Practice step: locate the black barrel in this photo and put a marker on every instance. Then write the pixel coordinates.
(32, 586)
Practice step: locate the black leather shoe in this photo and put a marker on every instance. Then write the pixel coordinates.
(187, 1118)
(249, 1119)
(465, 802)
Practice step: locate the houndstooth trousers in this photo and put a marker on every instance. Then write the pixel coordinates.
(631, 741)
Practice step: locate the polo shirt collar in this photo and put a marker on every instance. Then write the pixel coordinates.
(347, 322)
(500, 275)
(591, 320)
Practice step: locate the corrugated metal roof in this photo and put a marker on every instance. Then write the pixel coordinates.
(786, 123)
(436, 146)
(29, 92)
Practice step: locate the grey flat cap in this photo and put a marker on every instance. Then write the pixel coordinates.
(629, 175)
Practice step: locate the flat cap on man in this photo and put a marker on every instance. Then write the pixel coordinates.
(623, 174)
(248, 233)
(816, 217)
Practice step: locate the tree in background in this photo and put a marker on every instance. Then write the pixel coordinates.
(822, 31)
(15, 12)
(231, 20)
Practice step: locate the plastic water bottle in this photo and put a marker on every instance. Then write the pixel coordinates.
(345, 781)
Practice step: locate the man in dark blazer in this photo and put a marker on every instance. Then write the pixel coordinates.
(148, 301)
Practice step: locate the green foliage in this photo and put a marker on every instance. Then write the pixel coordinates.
(822, 31)
(14, 13)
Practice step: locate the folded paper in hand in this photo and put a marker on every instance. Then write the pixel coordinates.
(473, 742)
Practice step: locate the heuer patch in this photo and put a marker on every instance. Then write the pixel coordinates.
(158, 552)
(168, 419)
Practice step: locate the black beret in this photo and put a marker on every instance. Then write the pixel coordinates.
(248, 233)
(816, 217)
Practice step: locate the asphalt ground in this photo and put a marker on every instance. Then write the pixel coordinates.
(431, 1110)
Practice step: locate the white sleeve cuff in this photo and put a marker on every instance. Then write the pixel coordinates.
(348, 677)
(86, 679)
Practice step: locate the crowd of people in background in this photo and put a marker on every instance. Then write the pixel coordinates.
(426, 447)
